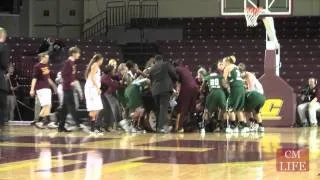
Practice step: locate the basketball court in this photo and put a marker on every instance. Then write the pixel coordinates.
(34, 154)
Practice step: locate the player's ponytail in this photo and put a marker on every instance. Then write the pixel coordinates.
(94, 59)
(233, 59)
(230, 59)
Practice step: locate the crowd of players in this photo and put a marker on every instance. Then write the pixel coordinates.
(227, 99)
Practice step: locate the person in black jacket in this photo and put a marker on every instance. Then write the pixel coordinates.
(162, 75)
(4, 62)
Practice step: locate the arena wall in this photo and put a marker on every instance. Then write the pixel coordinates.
(199, 8)
(66, 12)
(40, 25)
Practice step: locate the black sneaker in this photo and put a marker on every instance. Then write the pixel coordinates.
(63, 130)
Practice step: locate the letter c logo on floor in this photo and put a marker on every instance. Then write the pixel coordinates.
(271, 109)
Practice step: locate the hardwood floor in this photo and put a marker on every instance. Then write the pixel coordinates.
(46, 154)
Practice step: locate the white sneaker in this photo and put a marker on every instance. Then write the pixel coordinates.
(261, 129)
(228, 130)
(39, 125)
(244, 130)
(73, 128)
(235, 130)
(202, 131)
(86, 130)
(170, 128)
(82, 126)
(217, 129)
(52, 125)
(124, 125)
(134, 130)
(98, 133)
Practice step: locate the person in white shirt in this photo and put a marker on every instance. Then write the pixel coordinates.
(250, 79)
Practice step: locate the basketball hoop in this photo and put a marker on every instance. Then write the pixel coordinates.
(252, 15)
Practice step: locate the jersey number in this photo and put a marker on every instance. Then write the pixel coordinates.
(238, 75)
(214, 83)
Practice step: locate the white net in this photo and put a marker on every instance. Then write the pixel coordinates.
(252, 15)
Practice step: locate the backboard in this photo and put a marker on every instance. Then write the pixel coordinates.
(271, 7)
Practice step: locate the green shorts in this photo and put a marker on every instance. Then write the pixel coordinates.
(215, 100)
(121, 96)
(236, 99)
(133, 97)
(254, 101)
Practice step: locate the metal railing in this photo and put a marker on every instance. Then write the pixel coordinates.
(116, 13)
(95, 26)
(120, 13)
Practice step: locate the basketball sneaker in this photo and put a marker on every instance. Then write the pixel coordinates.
(243, 127)
(52, 125)
(39, 125)
(235, 129)
(136, 130)
(202, 131)
(124, 125)
(260, 129)
(228, 130)
(98, 132)
(244, 130)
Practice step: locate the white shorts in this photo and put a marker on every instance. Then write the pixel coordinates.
(44, 96)
(93, 99)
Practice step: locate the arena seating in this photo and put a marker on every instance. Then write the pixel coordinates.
(208, 39)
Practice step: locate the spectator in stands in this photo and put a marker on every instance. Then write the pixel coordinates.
(13, 87)
(161, 75)
(4, 59)
(314, 106)
(53, 46)
(308, 94)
